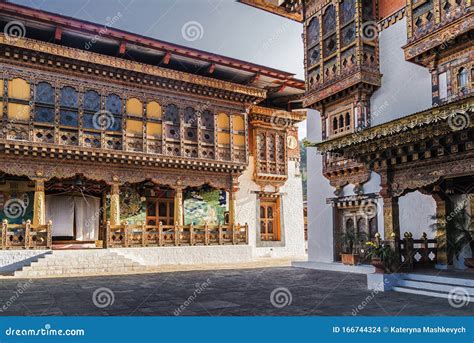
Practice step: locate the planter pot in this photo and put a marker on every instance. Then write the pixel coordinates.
(350, 259)
(379, 265)
(469, 262)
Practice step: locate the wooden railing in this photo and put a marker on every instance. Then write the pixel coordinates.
(141, 235)
(26, 236)
(418, 252)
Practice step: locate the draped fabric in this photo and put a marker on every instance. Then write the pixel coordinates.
(87, 211)
(68, 212)
(60, 209)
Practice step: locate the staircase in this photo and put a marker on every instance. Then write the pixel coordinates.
(435, 286)
(86, 262)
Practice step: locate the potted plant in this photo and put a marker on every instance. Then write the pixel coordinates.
(381, 256)
(456, 226)
(349, 255)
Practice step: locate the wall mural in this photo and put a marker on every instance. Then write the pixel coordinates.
(16, 207)
(132, 206)
(204, 204)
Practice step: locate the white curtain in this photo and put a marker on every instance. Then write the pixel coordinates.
(87, 214)
(60, 209)
(65, 211)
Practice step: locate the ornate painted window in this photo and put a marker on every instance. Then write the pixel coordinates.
(347, 22)
(134, 110)
(270, 219)
(190, 121)
(44, 103)
(223, 136)
(313, 32)
(368, 12)
(91, 110)
(154, 124)
(329, 31)
(462, 79)
(313, 35)
(172, 122)
(270, 150)
(18, 100)
(69, 111)
(113, 108)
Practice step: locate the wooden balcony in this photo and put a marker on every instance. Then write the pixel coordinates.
(141, 235)
(26, 236)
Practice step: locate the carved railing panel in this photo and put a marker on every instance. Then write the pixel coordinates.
(140, 235)
(26, 236)
(418, 252)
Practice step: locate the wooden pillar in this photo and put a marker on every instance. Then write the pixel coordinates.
(232, 200)
(391, 217)
(115, 204)
(441, 234)
(39, 203)
(178, 204)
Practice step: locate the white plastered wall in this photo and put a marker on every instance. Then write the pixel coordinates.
(292, 221)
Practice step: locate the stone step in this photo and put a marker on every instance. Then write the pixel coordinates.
(428, 293)
(81, 262)
(78, 272)
(86, 266)
(440, 279)
(433, 286)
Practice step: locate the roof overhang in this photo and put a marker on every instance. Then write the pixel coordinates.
(458, 114)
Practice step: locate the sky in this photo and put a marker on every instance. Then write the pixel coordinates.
(224, 27)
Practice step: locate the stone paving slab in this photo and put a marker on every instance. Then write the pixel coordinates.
(296, 292)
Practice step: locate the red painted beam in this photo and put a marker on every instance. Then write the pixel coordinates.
(167, 58)
(211, 69)
(58, 34)
(122, 48)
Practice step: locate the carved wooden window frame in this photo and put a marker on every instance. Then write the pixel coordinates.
(274, 204)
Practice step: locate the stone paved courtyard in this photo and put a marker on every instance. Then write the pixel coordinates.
(215, 293)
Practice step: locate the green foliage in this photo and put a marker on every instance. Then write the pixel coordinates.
(456, 228)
